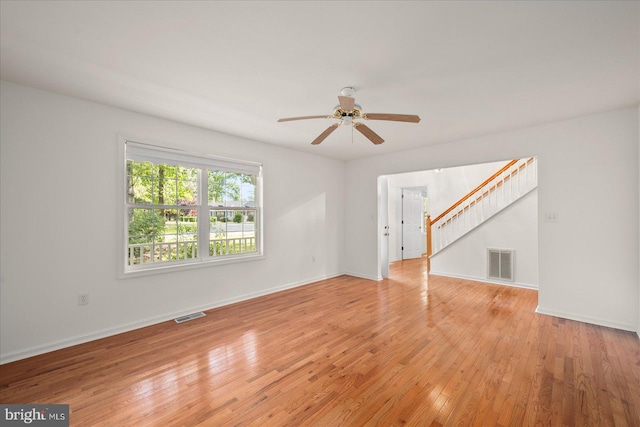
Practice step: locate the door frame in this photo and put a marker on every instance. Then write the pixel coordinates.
(383, 226)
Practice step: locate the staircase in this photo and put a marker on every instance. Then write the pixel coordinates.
(506, 186)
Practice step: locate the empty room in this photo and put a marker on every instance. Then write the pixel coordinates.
(357, 213)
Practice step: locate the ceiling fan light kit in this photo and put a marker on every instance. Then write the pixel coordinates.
(348, 111)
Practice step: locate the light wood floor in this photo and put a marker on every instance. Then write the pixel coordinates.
(409, 350)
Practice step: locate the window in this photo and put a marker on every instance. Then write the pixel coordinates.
(183, 209)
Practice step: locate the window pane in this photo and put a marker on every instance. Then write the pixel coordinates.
(162, 235)
(130, 182)
(140, 182)
(216, 188)
(249, 231)
(153, 186)
(232, 190)
(170, 228)
(232, 232)
(218, 221)
(146, 228)
(187, 234)
(187, 186)
(187, 227)
(248, 191)
(166, 185)
(162, 184)
(144, 225)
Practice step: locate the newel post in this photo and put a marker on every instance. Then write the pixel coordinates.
(429, 249)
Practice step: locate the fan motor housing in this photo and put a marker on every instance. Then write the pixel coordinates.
(356, 113)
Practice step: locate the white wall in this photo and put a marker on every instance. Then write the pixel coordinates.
(59, 211)
(515, 227)
(588, 170)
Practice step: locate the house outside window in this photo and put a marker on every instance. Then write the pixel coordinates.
(183, 209)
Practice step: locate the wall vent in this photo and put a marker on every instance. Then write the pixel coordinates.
(500, 264)
(189, 317)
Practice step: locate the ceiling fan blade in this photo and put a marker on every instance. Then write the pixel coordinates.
(325, 134)
(366, 131)
(347, 103)
(410, 118)
(288, 119)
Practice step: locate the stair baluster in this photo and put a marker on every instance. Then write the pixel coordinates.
(482, 203)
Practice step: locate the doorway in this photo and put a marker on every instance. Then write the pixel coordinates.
(516, 228)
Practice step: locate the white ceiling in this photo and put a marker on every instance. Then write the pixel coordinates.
(467, 68)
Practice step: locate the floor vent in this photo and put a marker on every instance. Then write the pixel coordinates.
(189, 317)
(500, 264)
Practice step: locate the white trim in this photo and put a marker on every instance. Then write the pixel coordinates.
(121, 205)
(104, 333)
(484, 280)
(586, 319)
(188, 265)
(123, 138)
(365, 276)
(143, 151)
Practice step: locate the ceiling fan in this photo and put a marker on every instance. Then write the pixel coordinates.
(348, 111)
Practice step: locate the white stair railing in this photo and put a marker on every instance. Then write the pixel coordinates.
(514, 180)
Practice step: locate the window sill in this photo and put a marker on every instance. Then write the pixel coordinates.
(162, 269)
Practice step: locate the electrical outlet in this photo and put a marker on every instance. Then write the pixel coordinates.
(83, 299)
(551, 217)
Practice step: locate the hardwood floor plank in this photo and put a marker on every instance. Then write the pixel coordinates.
(413, 350)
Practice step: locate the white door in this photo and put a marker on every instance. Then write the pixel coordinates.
(412, 221)
(383, 224)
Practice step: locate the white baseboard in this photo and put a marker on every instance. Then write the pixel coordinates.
(588, 319)
(485, 280)
(364, 276)
(107, 332)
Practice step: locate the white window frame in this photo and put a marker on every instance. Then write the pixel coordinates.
(157, 153)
